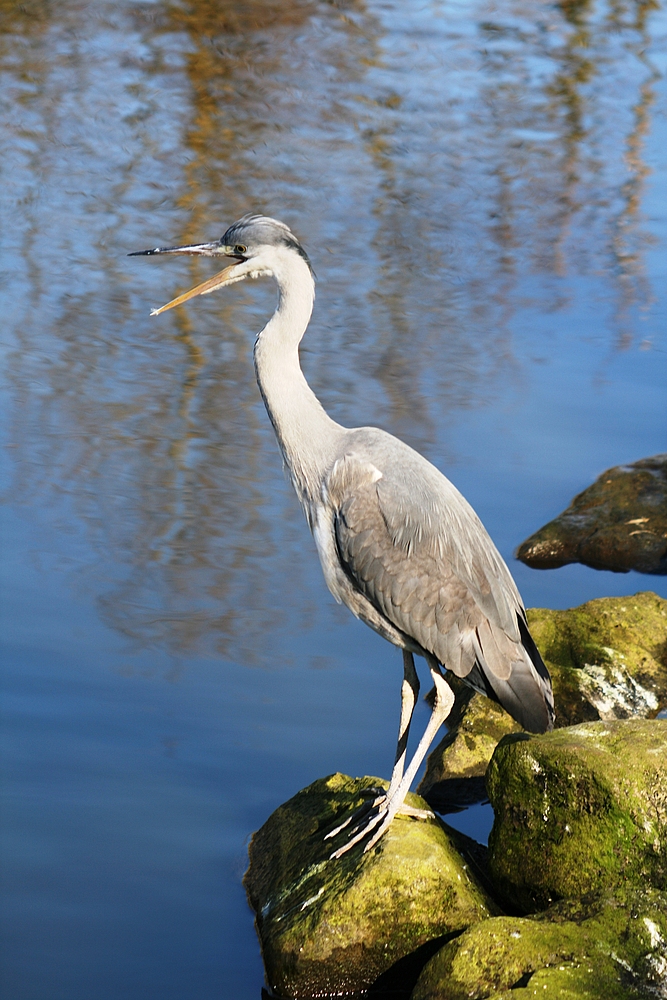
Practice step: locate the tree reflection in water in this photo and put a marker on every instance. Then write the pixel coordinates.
(444, 170)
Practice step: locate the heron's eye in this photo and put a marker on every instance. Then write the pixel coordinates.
(239, 248)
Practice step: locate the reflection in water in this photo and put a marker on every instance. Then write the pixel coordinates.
(432, 162)
(628, 240)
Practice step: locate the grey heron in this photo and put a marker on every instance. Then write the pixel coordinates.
(398, 544)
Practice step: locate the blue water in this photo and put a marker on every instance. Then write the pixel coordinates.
(482, 189)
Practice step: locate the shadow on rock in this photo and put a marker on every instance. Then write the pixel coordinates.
(398, 981)
(453, 795)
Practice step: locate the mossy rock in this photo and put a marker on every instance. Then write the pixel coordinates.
(578, 810)
(619, 523)
(607, 660)
(332, 926)
(611, 947)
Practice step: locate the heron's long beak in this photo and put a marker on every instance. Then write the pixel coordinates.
(225, 277)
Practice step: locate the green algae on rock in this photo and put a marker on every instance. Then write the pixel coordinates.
(619, 523)
(610, 947)
(607, 658)
(331, 927)
(579, 810)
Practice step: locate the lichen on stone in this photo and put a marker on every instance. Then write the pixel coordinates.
(607, 658)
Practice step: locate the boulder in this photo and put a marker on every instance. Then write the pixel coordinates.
(612, 947)
(331, 927)
(578, 810)
(607, 659)
(619, 523)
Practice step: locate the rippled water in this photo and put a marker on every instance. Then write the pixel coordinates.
(482, 189)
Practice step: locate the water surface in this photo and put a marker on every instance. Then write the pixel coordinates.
(482, 189)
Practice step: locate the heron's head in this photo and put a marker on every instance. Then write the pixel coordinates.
(258, 246)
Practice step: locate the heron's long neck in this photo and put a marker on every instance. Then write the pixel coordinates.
(306, 433)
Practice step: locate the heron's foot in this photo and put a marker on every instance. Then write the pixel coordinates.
(377, 816)
(373, 816)
(388, 816)
(377, 795)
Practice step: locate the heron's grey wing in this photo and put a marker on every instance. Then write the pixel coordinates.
(416, 550)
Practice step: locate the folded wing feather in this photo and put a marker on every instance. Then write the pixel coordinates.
(417, 551)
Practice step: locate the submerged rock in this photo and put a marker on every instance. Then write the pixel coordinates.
(613, 947)
(579, 810)
(607, 659)
(331, 927)
(619, 523)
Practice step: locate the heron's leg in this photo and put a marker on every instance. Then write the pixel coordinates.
(444, 700)
(409, 695)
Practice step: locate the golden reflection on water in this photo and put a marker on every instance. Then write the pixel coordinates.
(442, 166)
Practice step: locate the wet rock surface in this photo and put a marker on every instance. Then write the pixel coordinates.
(619, 523)
(332, 927)
(579, 810)
(607, 659)
(611, 947)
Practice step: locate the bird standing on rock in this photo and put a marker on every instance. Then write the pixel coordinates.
(398, 543)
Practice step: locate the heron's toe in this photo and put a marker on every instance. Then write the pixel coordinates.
(359, 814)
(381, 830)
(361, 831)
(406, 810)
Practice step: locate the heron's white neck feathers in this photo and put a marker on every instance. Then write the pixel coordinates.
(306, 433)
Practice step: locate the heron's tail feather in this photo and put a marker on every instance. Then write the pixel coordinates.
(524, 691)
